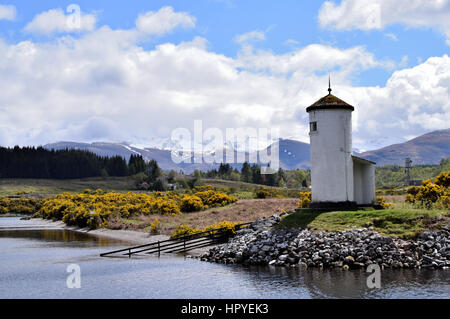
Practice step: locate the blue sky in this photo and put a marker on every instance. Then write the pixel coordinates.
(220, 21)
(368, 63)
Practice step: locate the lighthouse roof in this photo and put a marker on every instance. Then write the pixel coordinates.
(330, 102)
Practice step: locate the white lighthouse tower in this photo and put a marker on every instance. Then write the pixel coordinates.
(335, 183)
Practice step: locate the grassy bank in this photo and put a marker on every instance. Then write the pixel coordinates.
(241, 212)
(114, 202)
(405, 223)
(51, 187)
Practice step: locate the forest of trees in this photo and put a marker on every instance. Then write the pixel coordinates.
(40, 163)
(394, 175)
(252, 174)
(30, 162)
(386, 177)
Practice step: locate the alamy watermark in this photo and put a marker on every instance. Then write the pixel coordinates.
(73, 20)
(230, 146)
(374, 280)
(372, 13)
(74, 279)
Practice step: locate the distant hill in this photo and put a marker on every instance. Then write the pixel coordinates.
(428, 149)
(293, 154)
(163, 157)
(102, 149)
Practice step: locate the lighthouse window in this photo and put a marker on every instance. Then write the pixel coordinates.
(313, 126)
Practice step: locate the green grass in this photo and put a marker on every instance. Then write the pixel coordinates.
(247, 190)
(405, 223)
(245, 195)
(131, 221)
(50, 187)
(221, 183)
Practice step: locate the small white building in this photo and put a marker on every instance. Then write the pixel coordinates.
(339, 180)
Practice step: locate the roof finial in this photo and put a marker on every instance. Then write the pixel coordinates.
(329, 85)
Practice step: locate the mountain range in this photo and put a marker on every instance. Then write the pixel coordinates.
(427, 149)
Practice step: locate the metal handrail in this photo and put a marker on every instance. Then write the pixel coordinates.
(175, 243)
(172, 244)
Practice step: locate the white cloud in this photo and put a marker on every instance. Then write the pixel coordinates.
(414, 101)
(56, 21)
(250, 36)
(404, 62)
(7, 12)
(291, 43)
(377, 14)
(392, 36)
(104, 86)
(164, 21)
(310, 59)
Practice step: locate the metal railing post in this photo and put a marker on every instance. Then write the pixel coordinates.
(215, 236)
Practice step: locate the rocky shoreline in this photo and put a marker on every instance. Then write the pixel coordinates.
(260, 244)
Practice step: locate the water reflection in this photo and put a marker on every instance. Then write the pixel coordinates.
(29, 269)
(59, 236)
(337, 283)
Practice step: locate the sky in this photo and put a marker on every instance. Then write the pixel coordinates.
(134, 71)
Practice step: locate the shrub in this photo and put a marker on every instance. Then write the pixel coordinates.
(265, 192)
(81, 216)
(212, 198)
(443, 179)
(410, 199)
(163, 206)
(444, 201)
(305, 200)
(93, 209)
(381, 202)
(431, 194)
(191, 203)
(413, 190)
(20, 205)
(155, 227)
(262, 193)
(185, 230)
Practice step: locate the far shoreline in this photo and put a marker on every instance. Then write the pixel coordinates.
(130, 236)
(133, 238)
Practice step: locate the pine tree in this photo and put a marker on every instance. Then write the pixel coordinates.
(246, 172)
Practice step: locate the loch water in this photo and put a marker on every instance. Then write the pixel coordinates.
(34, 262)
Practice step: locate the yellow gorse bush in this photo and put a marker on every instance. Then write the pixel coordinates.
(431, 194)
(155, 226)
(204, 197)
(20, 205)
(185, 230)
(211, 198)
(268, 193)
(380, 201)
(305, 200)
(92, 208)
(191, 203)
(443, 179)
